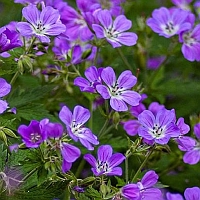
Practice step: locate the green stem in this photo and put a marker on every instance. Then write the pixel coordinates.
(143, 164)
(30, 173)
(103, 127)
(96, 56)
(124, 58)
(91, 115)
(14, 77)
(80, 168)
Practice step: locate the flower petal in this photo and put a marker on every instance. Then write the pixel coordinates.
(131, 97)
(103, 91)
(65, 115)
(127, 38)
(105, 18)
(4, 87)
(116, 159)
(69, 152)
(149, 179)
(122, 24)
(147, 119)
(126, 79)
(31, 14)
(104, 153)
(99, 30)
(81, 114)
(66, 166)
(192, 157)
(116, 171)
(90, 159)
(118, 104)
(108, 76)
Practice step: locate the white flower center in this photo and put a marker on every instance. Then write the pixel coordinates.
(169, 28)
(188, 40)
(35, 137)
(116, 90)
(157, 131)
(102, 166)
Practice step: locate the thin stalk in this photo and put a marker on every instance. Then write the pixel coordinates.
(103, 127)
(91, 115)
(80, 168)
(30, 173)
(14, 77)
(143, 164)
(96, 56)
(124, 59)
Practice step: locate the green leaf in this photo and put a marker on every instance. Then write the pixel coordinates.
(91, 192)
(28, 96)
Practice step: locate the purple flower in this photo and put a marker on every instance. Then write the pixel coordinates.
(53, 130)
(4, 90)
(106, 162)
(131, 126)
(155, 62)
(118, 91)
(191, 146)
(192, 193)
(93, 76)
(9, 39)
(113, 6)
(189, 194)
(114, 31)
(70, 154)
(167, 22)
(191, 44)
(160, 127)
(41, 24)
(33, 134)
(76, 26)
(144, 189)
(183, 4)
(75, 125)
(27, 1)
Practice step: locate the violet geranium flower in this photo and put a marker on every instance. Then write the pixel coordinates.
(158, 128)
(9, 39)
(144, 189)
(191, 146)
(189, 194)
(118, 91)
(106, 162)
(167, 22)
(93, 76)
(114, 32)
(191, 44)
(75, 125)
(4, 90)
(41, 24)
(33, 134)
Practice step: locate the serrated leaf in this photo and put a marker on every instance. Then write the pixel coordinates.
(93, 193)
(120, 182)
(28, 96)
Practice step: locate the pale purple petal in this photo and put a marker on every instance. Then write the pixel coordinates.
(197, 130)
(146, 118)
(92, 74)
(164, 117)
(131, 191)
(192, 193)
(81, 114)
(90, 159)
(118, 104)
(149, 179)
(131, 97)
(99, 30)
(152, 194)
(31, 14)
(66, 166)
(144, 133)
(55, 29)
(105, 18)
(108, 76)
(3, 106)
(127, 38)
(116, 171)
(25, 28)
(103, 91)
(126, 79)
(4, 87)
(65, 115)
(186, 143)
(192, 157)
(131, 127)
(69, 152)
(49, 15)
(104, 153)
(116, 159)
(122, 24)
(171, 196)
(82, 83)
(184, 128)
(113, 42)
